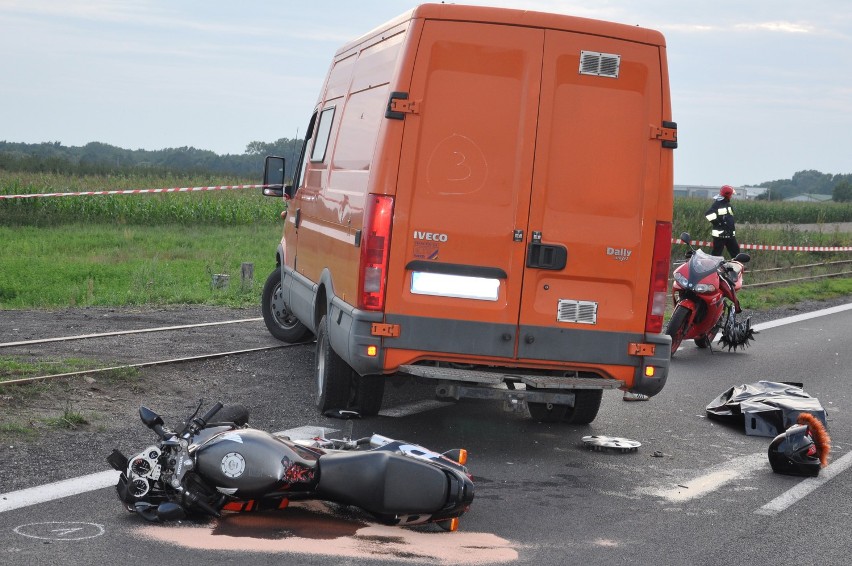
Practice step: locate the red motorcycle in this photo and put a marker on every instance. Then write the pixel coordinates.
(705, 300)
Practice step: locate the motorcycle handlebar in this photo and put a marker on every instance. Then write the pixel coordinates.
(202, 421)
(209, 414)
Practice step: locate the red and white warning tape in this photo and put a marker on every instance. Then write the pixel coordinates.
(776, 248)
(234, 187)
(135, 191)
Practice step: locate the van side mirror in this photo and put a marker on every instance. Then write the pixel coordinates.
(273, 176)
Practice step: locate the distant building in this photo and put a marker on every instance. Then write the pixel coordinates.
(708, 192)
(806, 197)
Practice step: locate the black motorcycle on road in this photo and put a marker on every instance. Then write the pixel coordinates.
(207, 468)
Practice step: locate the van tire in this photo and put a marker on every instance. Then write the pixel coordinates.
(587, 402)
(333, 375)
(278, 319)
(547, 412)
(369, 390)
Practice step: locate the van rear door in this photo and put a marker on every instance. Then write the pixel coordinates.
(522, 192)
(596, 186)
(463, 191)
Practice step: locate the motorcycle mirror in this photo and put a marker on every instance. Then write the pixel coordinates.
(149, 417)
(169, 511)
(743, 257)
(684, 237)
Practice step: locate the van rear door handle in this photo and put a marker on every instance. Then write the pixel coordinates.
(546, 256)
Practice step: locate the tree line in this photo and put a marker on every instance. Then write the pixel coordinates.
(97, 158)
(810, 182)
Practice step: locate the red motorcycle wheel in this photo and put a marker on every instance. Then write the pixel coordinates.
(676, 328)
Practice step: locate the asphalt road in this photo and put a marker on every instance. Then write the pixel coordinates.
(696, 492)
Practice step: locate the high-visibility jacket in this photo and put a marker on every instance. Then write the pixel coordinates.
(721, 216)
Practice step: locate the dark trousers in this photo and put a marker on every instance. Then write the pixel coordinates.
(720, 244)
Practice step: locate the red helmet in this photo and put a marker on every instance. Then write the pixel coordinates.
(726, 191)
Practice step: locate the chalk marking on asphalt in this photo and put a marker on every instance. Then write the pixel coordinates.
(718, 476)
(805, 487)
(124, 332)
(413, 408)
(57, 490)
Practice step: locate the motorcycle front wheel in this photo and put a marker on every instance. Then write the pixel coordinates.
(676, 328)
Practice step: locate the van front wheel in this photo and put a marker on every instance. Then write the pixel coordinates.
(280, 322)
(333, 375)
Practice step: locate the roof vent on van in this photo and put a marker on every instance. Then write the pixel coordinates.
(599, 64)
(584, 312)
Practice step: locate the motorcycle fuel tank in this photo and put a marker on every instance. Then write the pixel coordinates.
(250, 463)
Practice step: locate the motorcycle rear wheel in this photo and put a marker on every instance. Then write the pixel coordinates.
(676, 328)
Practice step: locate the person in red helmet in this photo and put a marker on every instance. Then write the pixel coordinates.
(721, 217)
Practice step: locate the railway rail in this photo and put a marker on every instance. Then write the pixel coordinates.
(201, 357)
(278, 346)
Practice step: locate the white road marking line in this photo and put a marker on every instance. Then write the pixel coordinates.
(413, 408)
(782, 321)
(57, 490)
(802, 489)
(801, 317)
(716, 478)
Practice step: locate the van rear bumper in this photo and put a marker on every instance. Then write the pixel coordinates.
(659, 360)
(578, 348)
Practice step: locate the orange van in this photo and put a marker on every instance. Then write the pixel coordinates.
(484, 201)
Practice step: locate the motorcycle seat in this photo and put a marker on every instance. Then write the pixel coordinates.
(382, 482)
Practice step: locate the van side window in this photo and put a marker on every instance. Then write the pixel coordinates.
(323, 133)
(302, 165)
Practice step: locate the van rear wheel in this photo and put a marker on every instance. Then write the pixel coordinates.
(587, 402)
(333, 375)
(369, 390)
(547, 412)
(280, 322)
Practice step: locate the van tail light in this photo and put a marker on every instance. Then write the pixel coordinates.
(659, 286)
(375, 247)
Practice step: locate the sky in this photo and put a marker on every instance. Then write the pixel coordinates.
(760, 89)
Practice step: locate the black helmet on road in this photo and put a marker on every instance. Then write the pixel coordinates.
(794, 451)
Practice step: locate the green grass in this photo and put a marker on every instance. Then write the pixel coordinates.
(114, 265)
(69, 419)
(16, 367)
(772, 297)
(223, 208)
